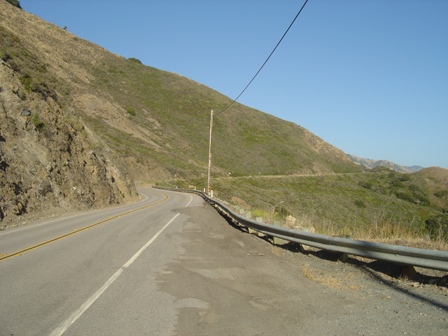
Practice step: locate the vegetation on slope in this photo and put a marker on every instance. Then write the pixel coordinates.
(157, 124)
(160, 120)
(33, 74)
(381, 204)
(245, 141)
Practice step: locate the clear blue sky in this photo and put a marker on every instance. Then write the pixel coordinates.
(370, 77)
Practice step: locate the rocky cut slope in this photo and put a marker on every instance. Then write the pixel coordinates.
(47, 163)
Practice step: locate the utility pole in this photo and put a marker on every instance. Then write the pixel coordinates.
(210, 153)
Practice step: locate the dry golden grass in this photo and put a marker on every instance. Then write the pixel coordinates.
(389, 233)
(333, 280)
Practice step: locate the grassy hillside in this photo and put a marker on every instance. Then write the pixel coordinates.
(174, 113)
(382, 204)
(158, 122)
(154, 126)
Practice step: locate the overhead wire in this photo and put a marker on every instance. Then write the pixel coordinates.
(267, 59)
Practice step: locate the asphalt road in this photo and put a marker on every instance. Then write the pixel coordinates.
(170, 265)
(46, 290)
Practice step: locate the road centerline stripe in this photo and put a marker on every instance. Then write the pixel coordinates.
(17, 253)
(62, 328)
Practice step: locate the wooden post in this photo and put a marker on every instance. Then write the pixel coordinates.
(210, 153)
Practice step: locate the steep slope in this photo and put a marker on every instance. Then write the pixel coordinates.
(160, 120)
(45, 159)
(92, 113)
(46, 162)
(436, 182)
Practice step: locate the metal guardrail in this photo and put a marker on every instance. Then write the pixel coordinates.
(403, 255)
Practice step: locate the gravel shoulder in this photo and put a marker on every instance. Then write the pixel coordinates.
(235, 283)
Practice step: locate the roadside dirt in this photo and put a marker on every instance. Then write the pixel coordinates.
(235, 283)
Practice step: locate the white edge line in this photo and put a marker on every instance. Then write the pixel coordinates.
(62, 328)
(191, 199)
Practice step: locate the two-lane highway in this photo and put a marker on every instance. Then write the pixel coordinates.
(30, 236)
(66, 265)
(171, 265)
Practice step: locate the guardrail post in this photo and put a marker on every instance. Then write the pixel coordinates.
(276, 240)
(343, 257)
(303, 248)
(407, 272)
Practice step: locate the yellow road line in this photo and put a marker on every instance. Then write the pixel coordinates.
(6, 256)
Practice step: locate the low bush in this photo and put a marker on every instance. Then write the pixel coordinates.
(15, 3)
(437, 227)
(131, 111)
(35, 119)
(135, 60)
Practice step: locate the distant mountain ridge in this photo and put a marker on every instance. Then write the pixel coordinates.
(369, 163)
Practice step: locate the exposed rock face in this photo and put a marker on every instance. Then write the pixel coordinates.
(46, 160)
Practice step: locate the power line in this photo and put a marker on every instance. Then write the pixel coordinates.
(267, 59)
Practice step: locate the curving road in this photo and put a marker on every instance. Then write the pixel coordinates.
(170, 265)
(77, 263)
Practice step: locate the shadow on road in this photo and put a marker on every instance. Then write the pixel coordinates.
(377, 269)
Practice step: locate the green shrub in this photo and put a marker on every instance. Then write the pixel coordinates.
(421, 200)
(32, 72)
(437, 227)
(281, 211)
(405, 197)
(135, 60)
(441, 194)
(131, 111)
(414, 198)
(21, 94)
(35, 119)
(415, 189)
(259, 213)
(26, 81)
(365, 184)
(15, 3)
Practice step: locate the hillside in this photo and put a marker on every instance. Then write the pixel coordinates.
(92, 111)
(382, 205)
(78, 125)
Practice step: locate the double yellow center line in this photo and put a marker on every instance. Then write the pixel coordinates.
(7, 256)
